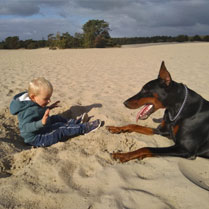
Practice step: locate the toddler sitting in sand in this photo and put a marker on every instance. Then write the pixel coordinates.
(36, 126)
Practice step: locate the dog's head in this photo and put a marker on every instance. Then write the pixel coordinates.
(152, 96)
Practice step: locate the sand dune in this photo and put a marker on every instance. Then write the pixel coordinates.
(80, 173)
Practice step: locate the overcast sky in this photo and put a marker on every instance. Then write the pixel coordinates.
(127, 18)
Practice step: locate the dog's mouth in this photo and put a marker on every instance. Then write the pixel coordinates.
(145, 112)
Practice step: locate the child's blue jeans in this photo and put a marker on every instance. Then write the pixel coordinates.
(59, 130)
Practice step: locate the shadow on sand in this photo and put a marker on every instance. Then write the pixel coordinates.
(78, 110)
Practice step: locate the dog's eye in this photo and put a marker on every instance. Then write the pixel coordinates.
(143, 91)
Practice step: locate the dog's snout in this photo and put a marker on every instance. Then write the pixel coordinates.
(131, 103)
(126, 103)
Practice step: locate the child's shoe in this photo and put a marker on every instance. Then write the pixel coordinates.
(92, 126)
(83, 118)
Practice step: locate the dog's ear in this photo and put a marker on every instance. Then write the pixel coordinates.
(164, 75)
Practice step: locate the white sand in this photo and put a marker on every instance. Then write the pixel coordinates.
(79, 173)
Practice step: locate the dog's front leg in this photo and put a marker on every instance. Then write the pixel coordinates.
(138, 154)
(131, 128)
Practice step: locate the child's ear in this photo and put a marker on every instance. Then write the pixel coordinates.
(32, 97)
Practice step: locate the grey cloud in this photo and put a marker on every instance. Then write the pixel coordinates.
(28, 7)
(172, 13)
(102, 5)
(175, 15)
(36, 28)
(23, 8)
(126, 17)
(184, 14)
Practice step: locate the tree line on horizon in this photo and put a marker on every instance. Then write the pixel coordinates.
(95, 35)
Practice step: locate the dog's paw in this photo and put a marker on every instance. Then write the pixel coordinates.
(122, 157)
(113, 129)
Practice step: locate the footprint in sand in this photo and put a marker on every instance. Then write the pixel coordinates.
(197, 171)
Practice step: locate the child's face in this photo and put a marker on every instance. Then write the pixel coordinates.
(43, 98)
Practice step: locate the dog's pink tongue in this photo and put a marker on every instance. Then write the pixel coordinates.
(143, 113)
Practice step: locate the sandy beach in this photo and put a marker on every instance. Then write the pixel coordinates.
(79, 173)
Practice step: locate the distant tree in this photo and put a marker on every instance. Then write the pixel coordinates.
(32, 45)
(12, 43)
(2, 45)
(100, 42)
(41, 43)
(95, 29)
(182, 38)
(51, 41)
(79, 38)
(206, 38)
(29, 44)
(59, 42)
(66, 41)
(196, 38)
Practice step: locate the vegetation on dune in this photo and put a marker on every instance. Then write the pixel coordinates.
(95, 35)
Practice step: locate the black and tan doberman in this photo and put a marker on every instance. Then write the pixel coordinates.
(186, 119)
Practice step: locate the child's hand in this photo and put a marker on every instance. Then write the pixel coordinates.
(54, 105)
(46, 115)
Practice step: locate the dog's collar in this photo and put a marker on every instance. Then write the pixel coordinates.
(181, 108)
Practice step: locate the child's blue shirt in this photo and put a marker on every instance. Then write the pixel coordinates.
(29, 115)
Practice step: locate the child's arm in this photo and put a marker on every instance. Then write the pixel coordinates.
(32, 126)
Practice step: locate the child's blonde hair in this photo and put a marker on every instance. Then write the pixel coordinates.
(38, 84)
